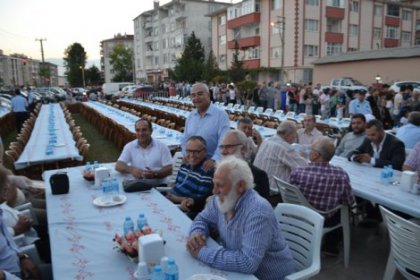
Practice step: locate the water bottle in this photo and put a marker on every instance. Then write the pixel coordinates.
(390, 174)
(308, 153)
(107, 190)
(128, 226)
(384, 176)
(142, 272)
(157, 273)
(164, 264)
(115, 187)
(141, 221)
(95, 164)
(171, 271)
(88, 167)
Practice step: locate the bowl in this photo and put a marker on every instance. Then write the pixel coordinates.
(88, 176)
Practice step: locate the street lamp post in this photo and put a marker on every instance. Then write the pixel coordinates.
(280, 23)
(377, 79)
(83, 75)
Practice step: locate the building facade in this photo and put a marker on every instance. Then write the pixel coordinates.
(160, 35)
(107, 46)
(19, 70)
(290, 35)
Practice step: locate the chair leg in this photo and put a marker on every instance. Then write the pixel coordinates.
(390, 268)
(345, 220)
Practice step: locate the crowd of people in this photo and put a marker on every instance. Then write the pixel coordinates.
(226, 184)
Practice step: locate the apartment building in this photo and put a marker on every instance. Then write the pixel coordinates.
(107, 46)
(160, 35)
(290, 35)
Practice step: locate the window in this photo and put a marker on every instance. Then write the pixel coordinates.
(275, 53)
(156, 31)
(352, 49)
(312, 2)
(377, 11)
(406, 36)
(393, 10)
(222, 58)
(377, 33)
(156, 46)
(276, 4)
(311, 25)
(178, 41)
(310, 50)
(236, 33)
(252, 53)
(335, 3)
(222, 40)
(165, 58)
(333, 25)
(165, 43)
(163, 28)
(275, 29)
(333, 49)
(354, 6)
(222, 20)
(354, 30)
(156, 60)
(392, 32)
(417, 25)
(172, 26)
(406, 15)
(172, 42)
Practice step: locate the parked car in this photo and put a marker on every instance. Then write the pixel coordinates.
(143, 91)
(397, 85)
(47, 95)
(347, 83)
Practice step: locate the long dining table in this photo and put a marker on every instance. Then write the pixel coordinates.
(81, 233)
(366, 183)
(51, 139)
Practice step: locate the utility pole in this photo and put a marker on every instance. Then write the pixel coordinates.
(42, 56)
(281, 23)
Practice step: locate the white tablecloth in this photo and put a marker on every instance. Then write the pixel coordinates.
(3, 111)
(81, 234)
(172, 138)
(35, 150)
(365, 182)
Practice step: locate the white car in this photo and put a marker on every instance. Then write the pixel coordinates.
(397, 85)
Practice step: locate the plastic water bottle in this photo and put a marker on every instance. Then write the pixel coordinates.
(115, 187)
(128, 225)
(142, 272)
(95, 164)
(390, 174)
(107, 190)
(157, 273)
(141, 221)
(384, 175)
(88, 167)
(172, 270)
(164, 264)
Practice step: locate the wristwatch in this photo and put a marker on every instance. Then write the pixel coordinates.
(23, 256)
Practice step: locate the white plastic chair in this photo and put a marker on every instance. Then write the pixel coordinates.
(259, 110)
(292, 194)
(302, 229)
(230, 105)
(404, 255)
(268, 111)
(279, 113)
(170, 180)
(290, 114)
(251, 109)
(241, 108)
(236, 106)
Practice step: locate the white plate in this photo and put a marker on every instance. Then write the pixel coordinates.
(59, 145)
(101, 202)
(206, 277)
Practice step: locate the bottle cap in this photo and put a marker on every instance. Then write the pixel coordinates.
(157, 268)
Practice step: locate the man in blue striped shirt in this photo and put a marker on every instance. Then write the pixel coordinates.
(250, 237)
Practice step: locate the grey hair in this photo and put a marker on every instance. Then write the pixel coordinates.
(325, 147)
(239, 135)
(238, 170)
(286, 127)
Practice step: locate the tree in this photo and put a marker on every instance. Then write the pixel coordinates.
(122, 62)
(93, 76)
(237, 71)
(74, 62)
(211, 69)
(189, 67)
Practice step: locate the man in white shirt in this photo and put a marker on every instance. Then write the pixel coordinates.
(145, 157)
(352, 140)
(309, 133)
(19, 108)
(410, 133)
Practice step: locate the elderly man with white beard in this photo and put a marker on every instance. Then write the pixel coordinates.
(251, 239)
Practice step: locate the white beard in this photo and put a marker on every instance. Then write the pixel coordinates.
(229, 201)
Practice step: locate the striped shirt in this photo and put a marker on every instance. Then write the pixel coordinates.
(9, 260)
(413, 159)
(250, 243)
(277, 157)
(193, 182)
(325, 186)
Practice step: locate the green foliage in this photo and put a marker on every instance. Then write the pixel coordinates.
(189, 67)
(74, 60)
(93, 76)
(220, 79)
(211, 68)
(237, 72)
(122, 62)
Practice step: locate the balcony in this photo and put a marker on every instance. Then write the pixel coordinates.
(244, 20)
(392, 21)
(333, 37)
(244, 43)
(391, 43)
(334, 12)
(251, 64)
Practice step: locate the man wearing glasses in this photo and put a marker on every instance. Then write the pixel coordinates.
(207, 121)
(193, 184)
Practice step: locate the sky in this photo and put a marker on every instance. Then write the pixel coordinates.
(65, 22)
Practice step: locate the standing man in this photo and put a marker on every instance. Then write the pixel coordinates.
(263, 95)
(359, 105)
(379, 148)
(352, 140)
(276, 155)
(19, 108)
(207, 121)
(308, 133)
(251, 237)
(145, 157)
(31, 99)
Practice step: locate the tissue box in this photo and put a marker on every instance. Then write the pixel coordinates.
(101, 173)
(151, 249)
(408, 180)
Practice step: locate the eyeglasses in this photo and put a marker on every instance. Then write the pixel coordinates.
(197, 94)
(228, 147)
(194, 152)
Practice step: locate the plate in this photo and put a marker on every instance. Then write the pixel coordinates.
(116, 200)
(161, 137)
(59, 145)
(206, 277)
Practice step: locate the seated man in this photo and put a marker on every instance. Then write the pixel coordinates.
(352, 140)
(13, 264)
(379, 148)
(325, 186)
(234, 143)
(276, 155)
(309, 133)
(193, 184)
(251, 237)
(245, 125)
(409, 134)
(148, 158)
(412, 163)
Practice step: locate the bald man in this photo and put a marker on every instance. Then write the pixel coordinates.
(325, 186)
